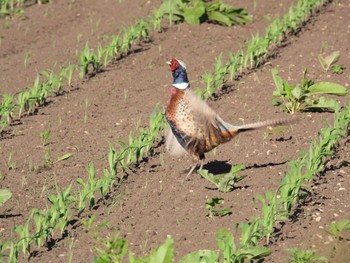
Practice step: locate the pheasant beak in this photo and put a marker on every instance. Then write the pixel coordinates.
(169, 63)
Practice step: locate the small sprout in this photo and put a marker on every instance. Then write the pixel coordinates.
(336, 229)
(210, 206)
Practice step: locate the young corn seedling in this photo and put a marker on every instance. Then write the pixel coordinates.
(300, 97)
(7, 108)
(88, 58)
(22, 102)
(225, 183)
(113, 50)
(67, 72)
(231, 254)
(272, 211)
(251, 232)
(53, 83)
(87, 193)
(212, 203)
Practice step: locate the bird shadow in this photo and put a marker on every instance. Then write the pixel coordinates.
(265, 165)
(223, 167)
(218, 167)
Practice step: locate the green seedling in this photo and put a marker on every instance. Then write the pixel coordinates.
(4, 196)
(27, 58)
(231, 254)
(44, 137)
(337, 228)
(22, 102)
(272, 210)
(114, 250)
(337, 69)
(225, 183)
(305, 256)
(300, 97)
(210, 206)
(64, 157)
(7, 109)
(89, 59)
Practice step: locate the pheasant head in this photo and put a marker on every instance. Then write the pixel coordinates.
(178, 69)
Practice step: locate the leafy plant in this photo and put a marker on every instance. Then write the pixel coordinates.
(300, 97)
(230, 253)
(211, 204)
(304, 256)
(88, 58)
(114, 250)
(195, 12)
(336, 228)
(4, 196)
(226, 182)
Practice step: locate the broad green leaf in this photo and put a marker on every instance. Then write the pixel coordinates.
(226, 243)
(328, 88)
(219, 17)
(276, 103)
(236, 168)
(200, 256)
(297, 92)
(163, 254)
(257, 252)
(278, 82)
(320, 103)
(4, 196)
(65, 156)
(193, 15)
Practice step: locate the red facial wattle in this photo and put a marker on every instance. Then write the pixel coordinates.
(174, 64)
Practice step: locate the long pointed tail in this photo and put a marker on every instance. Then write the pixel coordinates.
(262, 124)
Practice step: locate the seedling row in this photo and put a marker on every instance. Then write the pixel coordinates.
(276, 206)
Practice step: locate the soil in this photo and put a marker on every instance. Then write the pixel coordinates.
(156, 200)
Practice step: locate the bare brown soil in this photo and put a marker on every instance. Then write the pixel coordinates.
(156, 201)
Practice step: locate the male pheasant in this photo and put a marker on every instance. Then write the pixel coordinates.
(194, 126)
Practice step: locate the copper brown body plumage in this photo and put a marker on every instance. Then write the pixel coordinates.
(195, 127)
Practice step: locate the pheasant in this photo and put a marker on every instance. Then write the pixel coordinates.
(195, 127)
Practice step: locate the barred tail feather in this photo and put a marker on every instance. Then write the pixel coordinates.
(262, 124)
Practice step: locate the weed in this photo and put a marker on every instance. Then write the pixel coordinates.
(337, 69)
(210, 206)
(300, 97)
(336, 228)
(304, 256)
(224, 183)
(195, 12)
